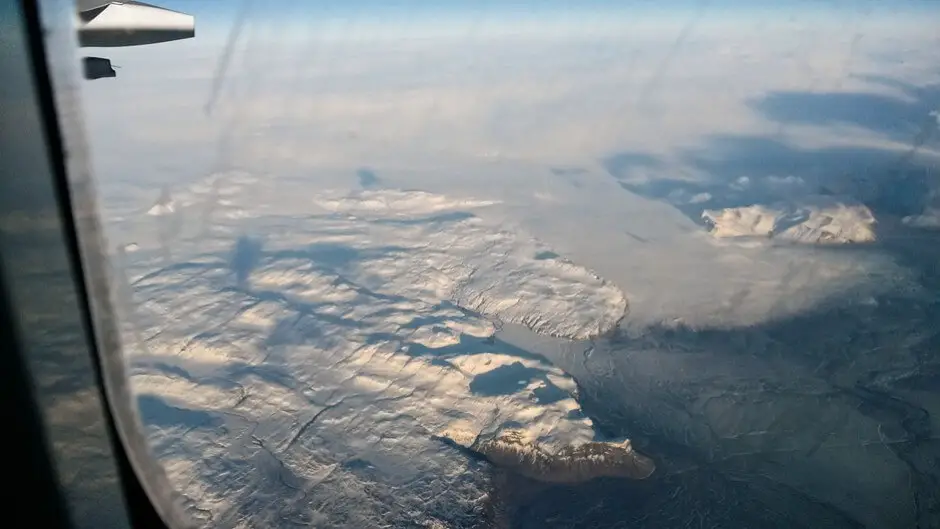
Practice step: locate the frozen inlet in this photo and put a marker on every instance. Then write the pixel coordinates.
(114, 24)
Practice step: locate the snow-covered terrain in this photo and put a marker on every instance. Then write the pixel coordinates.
(823, 220)
(163, 206)
(463, 268)
(353, 348)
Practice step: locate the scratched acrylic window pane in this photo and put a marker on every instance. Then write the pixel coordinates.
(468, 264)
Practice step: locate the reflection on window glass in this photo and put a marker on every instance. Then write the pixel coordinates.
(486, 264)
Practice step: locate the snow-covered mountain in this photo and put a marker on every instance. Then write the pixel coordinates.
(516, 450)
(164, 205)
(338, 359)
(813, 220)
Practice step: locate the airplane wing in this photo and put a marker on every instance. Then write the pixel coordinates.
(111, 24)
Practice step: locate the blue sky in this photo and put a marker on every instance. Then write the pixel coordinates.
(215, 17)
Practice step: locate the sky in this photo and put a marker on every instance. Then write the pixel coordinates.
(375, 20)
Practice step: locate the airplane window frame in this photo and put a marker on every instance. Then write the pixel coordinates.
(45, 177)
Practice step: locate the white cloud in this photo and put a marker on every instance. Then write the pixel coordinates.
(561, 98)
(929, 219)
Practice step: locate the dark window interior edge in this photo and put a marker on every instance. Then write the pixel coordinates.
(40, 497)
